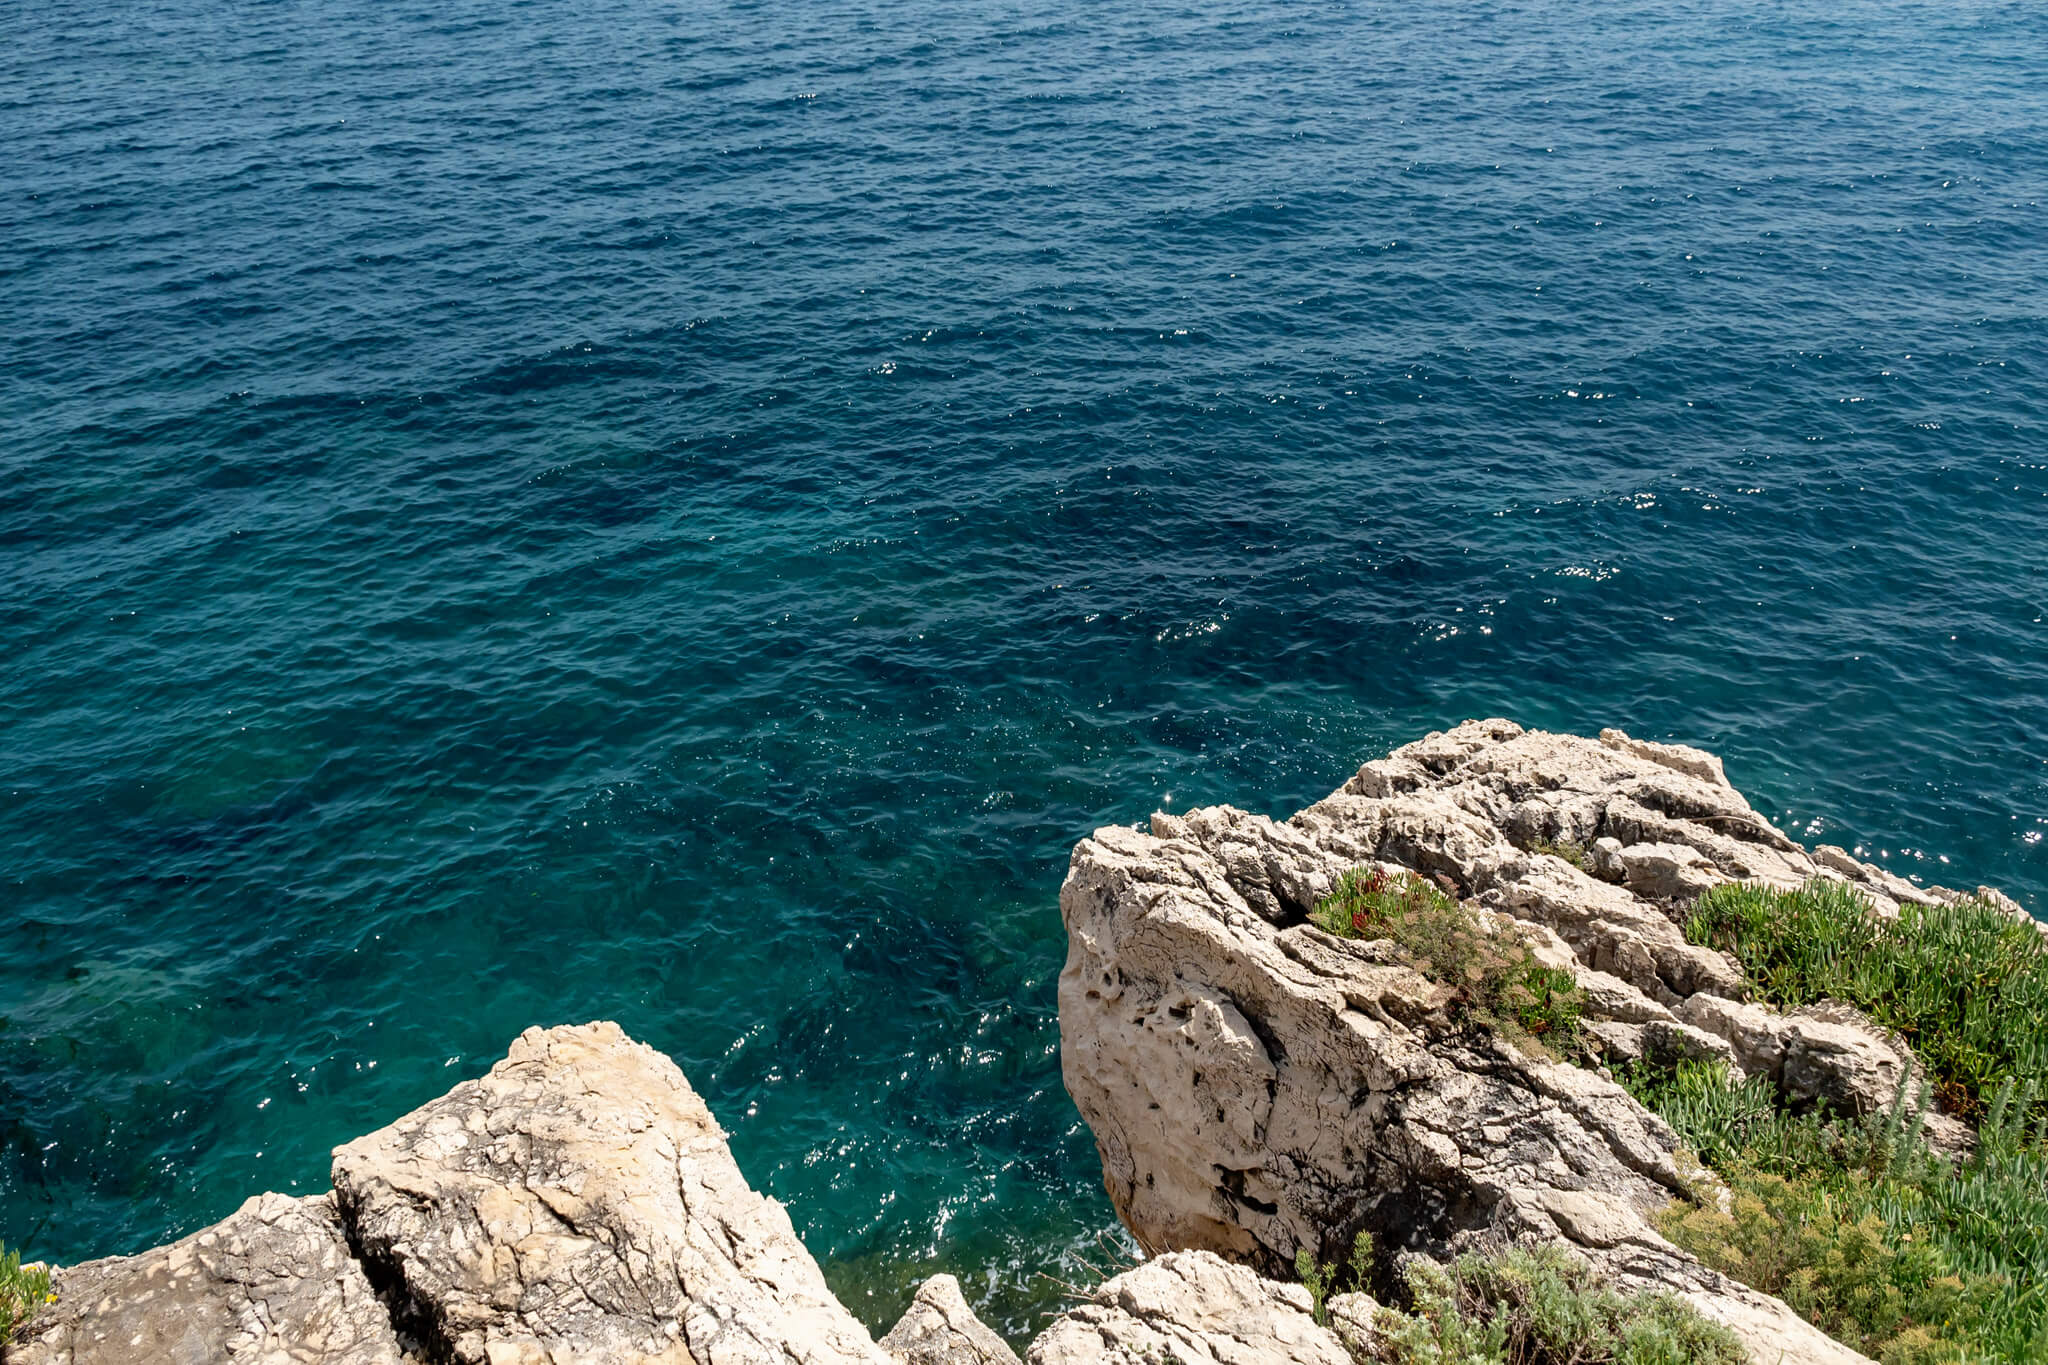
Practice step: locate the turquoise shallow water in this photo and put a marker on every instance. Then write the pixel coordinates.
(518, 513)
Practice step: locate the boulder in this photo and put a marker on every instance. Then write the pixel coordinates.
(1836, 1055)
(1668, 1043)
(578, 1205)
(940, 1329)
(1195, 1308)
(1755, 1036)
(272, 1284)
(1355, 1320)
(1680, 757)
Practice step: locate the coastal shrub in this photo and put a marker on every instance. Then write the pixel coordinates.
(1907, 1255)
(1494, 973)
(1541, 1306)
(1728, 1123)
(1323, 1279)
(1570, 850)
(1964, 983)
(23, 1289)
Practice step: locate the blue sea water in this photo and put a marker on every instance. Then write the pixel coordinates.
(515, 513)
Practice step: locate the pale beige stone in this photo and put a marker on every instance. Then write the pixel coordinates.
(1835, 1054)
(578, 1206)
(1682, 757)
(272, 1284)
(1195, 1308)
(940, 1329)
(1667, 871)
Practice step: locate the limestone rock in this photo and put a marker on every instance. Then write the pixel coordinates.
(1672, 1042)
(1833, 1053)
(1619, 1041)
(940, 1329)
(1354, 1318)
(1609, 997)
(578, 1205)
(273, 1284)
(1257, 1086)
(1667, 871)
(1755, 1035)
(1193, 1307)
(1682, 757)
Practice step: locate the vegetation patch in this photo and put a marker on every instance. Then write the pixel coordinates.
(23, 1289)
(1497, 978)
(1326, 1279)
(1570, 850)
(1541, 1306)
(1964, 983)
(1902, 1253)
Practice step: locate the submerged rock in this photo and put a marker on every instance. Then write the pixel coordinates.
(1258, 1087)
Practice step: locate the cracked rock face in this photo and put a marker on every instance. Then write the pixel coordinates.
(575, 1206)
(1257, 1086)
(1193, 1307)
(578, 1204)
(273, 1284)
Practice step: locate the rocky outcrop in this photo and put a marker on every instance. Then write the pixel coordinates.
(273, 1284)
(578, 1203)
(1257, 1087)
(940, 1329)
(575, 1206)
(1194, 1307)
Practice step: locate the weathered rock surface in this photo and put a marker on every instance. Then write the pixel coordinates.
(578, 1204)
(273, 1284)
(1193, 1307)
(940, 1329)
(1257, 1086)
(575, 1206)
(1828, 1053)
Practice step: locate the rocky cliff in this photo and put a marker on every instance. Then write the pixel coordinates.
(1257, 1087)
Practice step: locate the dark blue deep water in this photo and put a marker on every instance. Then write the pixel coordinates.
(521, 512)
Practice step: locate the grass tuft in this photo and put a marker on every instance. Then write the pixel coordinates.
(23, 1289)
(1964, 983)
(1324, 1279)
(1497, 978)
(1570, 850)
(1907, 1255)
(1541, 1306)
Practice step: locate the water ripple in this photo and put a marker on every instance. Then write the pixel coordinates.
(683, 514)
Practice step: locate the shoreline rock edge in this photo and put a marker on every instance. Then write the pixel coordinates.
(1256, 1088)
